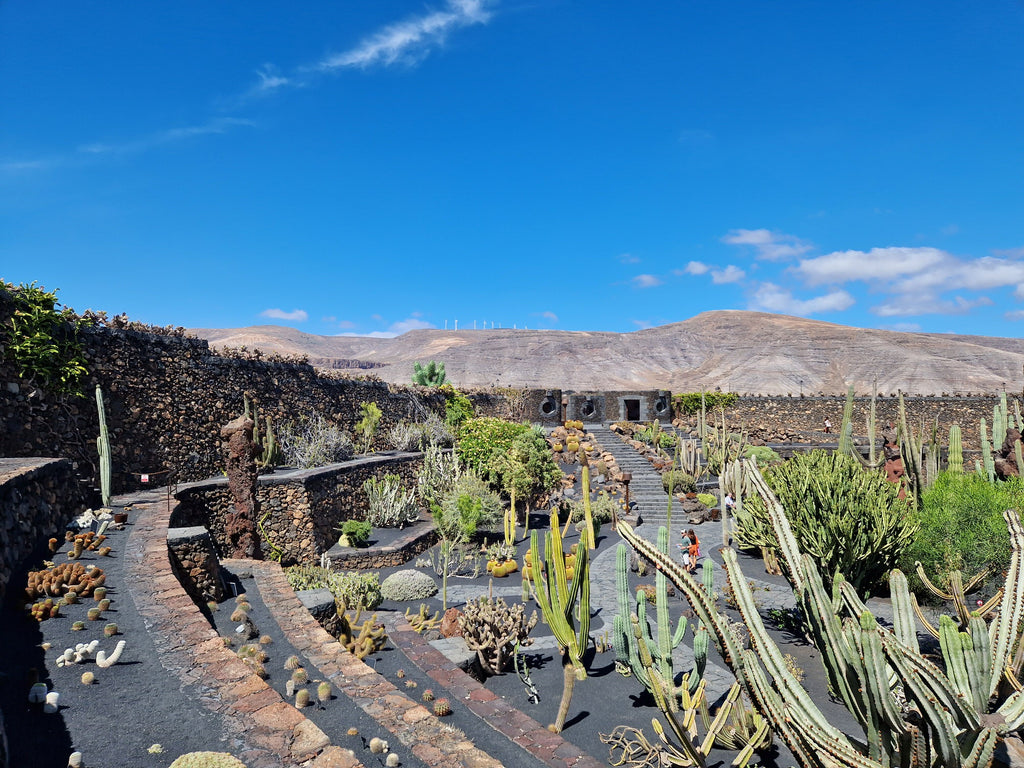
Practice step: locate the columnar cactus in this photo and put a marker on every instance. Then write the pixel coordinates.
(955, 460)
(560, 601)
(959, 716)
(103, 448)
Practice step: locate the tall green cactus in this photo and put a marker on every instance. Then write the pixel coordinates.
(662, 640)
(563, 603)
(955, 460)
(956, 721)
(103, 449)
(268, 451)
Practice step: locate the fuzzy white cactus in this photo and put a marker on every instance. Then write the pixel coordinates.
(52, 703)
(78, 654)
(103, 661)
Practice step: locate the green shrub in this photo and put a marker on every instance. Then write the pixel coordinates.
(458, 408)
(528, 469)
(765, 456)
(484, 444)
(351, 589)
(689, 402)
(389, 505)
(709, 500)
(666, 440)
(450, 517)
(962, 527)
(366, 427)
(430, 375)
(679, 481)
(848, 519)
(357, 532)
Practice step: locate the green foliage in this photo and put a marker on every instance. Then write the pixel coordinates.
(689, 403)
(356, 532)
(42, 339)
(709, 500)
(764, 455)
(652, 433)
(430, 375)
(366, 427)
(678, 481)
(457, 407)
(962, 527)
(850, 520)
(389, 505)
(457, 519)
(528, 469)
(602, 509)
(484, 444)
(351, 589)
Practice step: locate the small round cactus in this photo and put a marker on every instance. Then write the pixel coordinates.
(78, 626)
(266, 640)
(212, 606)
(302, 698)
(104, 604)
(300, 676)
(442, 707)
(410, 684)
(323, 692)
(400, 674)
(392, 761)
(239, 615)
(353, 731)
(292, 663)
(94, 614)
(88, 678)
(428, 695)
(99, 593)
(110, 630)
(378, 746)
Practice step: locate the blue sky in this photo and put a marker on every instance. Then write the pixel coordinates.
(371, 167)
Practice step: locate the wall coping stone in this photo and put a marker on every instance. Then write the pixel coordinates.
(192, 533)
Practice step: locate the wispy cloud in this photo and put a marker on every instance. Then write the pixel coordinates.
(296, 315)
(768, 245)
(411, 323)
(1014, 314)
(731, 274)
(646, 281)
(695, 268)
(411, 40)
(926, 304)
(549, 315)
(218, 125)
(772, 298)
(629, 258)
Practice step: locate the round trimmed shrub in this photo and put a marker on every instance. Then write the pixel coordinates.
(207, 760)
(403, 586)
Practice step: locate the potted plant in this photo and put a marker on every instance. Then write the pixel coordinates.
(354, 533)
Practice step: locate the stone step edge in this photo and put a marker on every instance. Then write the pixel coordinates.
(425, 735)
(518, 727)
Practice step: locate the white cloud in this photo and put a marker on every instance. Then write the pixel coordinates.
(770, 246)
(410, 40)
(927, 304)
(878, 264)
(904, 327)
(296, 315)
(549, 315)
(1014, 314)
(642, 324)
(772, 298)
(218, 125)
(411, 323)
(731, 274)
(646, 281)
(696, 268)
(270, 80)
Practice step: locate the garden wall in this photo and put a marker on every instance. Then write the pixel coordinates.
(300, 511)
(796, 419)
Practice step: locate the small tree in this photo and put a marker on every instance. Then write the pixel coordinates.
(366, 427)
(529, 471)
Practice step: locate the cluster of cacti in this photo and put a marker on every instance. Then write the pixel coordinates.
(568, 563)
(90, 540)
(503, 568)
(403, 586)
(912, 713)
(268, 452)
(660, 643)
(957, 594)
(254, 657)
(873, 461)
(351, 589)
(994, 453)
(207, 760)
(389, 505)
(493, 628)
(563, 602)
(103, 449)
(46, 609)
(569, 439)
(63, 579)
(422, 621)
(361, 638)
(430, 375)
(690, 459)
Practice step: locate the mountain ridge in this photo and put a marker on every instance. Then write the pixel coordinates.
(737, 350)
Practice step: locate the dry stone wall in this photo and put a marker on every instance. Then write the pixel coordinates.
(300, 511)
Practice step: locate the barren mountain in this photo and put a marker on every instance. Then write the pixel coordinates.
(751, 352)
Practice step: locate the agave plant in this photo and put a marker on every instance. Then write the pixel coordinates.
(913, 713)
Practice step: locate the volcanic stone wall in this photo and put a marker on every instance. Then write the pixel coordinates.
(799, 419)
(38, 498)
(300, 511)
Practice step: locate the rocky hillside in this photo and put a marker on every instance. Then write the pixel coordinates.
(748, 352)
